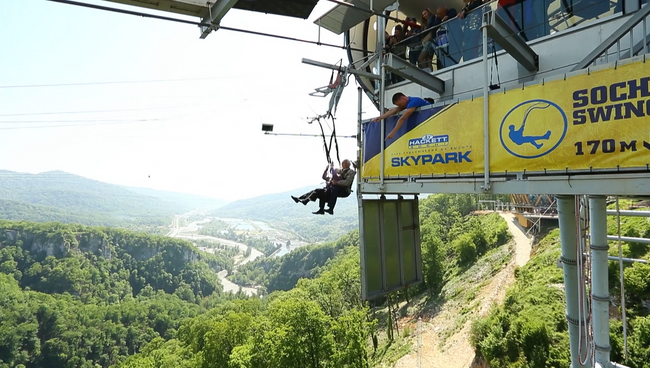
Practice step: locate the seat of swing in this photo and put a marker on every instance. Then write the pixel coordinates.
(326, 90)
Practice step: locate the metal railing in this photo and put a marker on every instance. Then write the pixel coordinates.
(459, 40)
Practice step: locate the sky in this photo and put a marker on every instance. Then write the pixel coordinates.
(143, 102)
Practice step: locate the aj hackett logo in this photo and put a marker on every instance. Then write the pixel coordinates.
(429, 140)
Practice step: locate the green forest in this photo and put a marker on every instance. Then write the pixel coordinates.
(530, 328)
(78, 296)
(83, 296)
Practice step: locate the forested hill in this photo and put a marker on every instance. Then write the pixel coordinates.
(76, 296)
(280, 210)
(67, 198)
(530, 329)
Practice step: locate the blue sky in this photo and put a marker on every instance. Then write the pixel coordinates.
(188, 120)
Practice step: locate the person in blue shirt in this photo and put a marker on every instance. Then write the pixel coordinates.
(404, 103)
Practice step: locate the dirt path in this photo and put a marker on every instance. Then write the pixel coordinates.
(457, 351)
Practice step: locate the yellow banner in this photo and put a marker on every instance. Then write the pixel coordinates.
(587, 122)
(590, 121)
(446, 143)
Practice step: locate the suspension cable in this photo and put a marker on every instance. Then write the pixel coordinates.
(200, 24)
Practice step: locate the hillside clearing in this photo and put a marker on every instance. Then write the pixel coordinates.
(445, 330)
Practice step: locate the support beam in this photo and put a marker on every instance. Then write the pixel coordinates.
(411, 72)
(629, 260)
(630, 213)
(381, 43)
(217, 11)
(637, 18)
(629, 239)
(499, 31)
(567, 211)
(336, 67)
(599, 277)
(602, 184)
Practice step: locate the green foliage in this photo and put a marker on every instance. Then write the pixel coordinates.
(320, 323)
(75, 296)
(452, 239)
(465, 248)
(530, 329)
(637, 282)
(60, 331)
(121, 299)
(527, 330)
(104, 263)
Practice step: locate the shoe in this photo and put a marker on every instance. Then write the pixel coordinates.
(330, 211)
(295, 199)
(319, 212)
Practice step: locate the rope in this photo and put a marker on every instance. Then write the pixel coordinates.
(333, 139)
(336, 142)
(327, 151)
(495, 65)
(620, 266)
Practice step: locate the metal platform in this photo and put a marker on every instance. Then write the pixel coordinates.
(586, 132)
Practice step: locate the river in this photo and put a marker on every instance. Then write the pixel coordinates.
(188, 232)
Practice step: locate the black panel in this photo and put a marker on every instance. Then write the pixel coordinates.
(289, 8)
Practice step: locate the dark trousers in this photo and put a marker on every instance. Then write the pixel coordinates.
(313, 195)
(331, 194)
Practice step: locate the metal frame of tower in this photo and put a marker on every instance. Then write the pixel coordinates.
(587, 310)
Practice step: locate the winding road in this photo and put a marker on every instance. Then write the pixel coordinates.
(188, 233)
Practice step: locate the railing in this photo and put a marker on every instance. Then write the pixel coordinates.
(629, 40)
(459, 40)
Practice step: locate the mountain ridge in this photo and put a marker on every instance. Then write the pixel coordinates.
(65, 197)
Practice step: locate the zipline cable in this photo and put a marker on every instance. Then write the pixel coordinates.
(200, 24)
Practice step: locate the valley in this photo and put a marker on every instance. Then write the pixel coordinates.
(283, 240)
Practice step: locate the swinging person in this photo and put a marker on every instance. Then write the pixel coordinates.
(339, 185)
(329, 174)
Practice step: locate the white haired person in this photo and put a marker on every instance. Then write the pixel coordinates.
(329, 174)
(338, 188)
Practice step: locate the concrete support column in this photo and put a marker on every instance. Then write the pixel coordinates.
(599, 277)
(567, 218)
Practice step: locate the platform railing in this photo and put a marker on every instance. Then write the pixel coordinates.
(459, 40)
